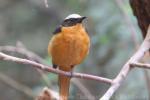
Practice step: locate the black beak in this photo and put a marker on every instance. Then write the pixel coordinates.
(82, 18)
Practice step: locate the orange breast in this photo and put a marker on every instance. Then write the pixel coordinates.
(70, 46)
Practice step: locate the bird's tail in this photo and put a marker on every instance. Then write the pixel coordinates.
(64, 84)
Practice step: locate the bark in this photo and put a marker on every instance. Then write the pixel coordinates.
(141, 9)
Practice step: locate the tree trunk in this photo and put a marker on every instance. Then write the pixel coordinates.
(141, 9)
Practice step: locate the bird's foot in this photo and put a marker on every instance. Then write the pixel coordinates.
(55, 66)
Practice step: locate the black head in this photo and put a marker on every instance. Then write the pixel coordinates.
(72, 20)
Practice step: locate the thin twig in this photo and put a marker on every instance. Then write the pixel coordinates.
(21, 49)
(145, 46)
(83, 89)
(147, 79)
(128, 22)
(28, 54)
(18, 86)
(46, 3)
(47, 94)
(115, 84)
(140, 65)
(50, 69)
(23, 88)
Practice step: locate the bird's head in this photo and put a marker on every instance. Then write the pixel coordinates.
(72, 20)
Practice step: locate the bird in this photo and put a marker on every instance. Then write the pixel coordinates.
(68, 47)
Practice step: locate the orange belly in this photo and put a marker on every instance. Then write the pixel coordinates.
(69, 47)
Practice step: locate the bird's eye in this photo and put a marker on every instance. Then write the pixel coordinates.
(69, 21)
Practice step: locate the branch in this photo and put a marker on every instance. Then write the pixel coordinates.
(21, 49)
(46, 3)
(140, 65)
(83, 89)
(50, 69)
(145, 46)
(128, 22)
(115, 84)
(47, 94)
(9, 81)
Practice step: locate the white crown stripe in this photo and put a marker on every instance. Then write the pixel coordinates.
(73, 16)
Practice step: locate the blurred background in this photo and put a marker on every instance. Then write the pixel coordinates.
(114, 38)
